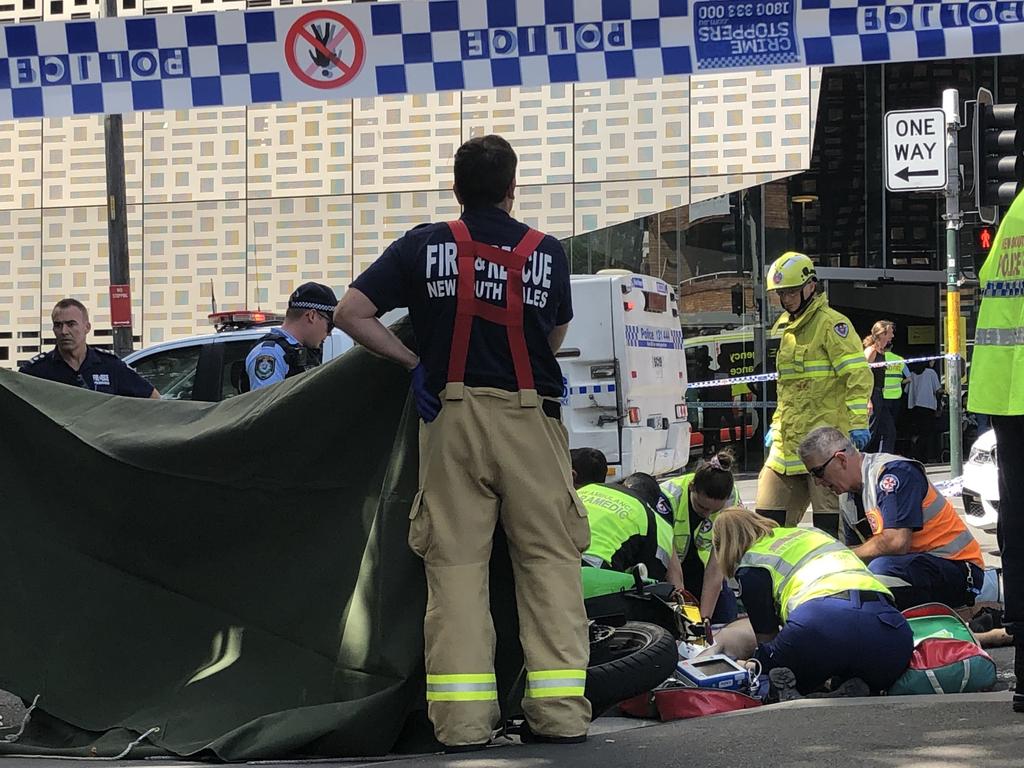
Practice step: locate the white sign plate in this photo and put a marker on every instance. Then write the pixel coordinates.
(915, 150)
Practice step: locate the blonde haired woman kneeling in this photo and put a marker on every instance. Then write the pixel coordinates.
(814, 606)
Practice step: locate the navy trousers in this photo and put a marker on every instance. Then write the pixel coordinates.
(932, 579)
(841, 637)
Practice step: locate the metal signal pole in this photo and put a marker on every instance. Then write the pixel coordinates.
(954, 348)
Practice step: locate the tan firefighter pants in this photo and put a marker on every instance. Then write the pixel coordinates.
(792, 493)
(493, 456)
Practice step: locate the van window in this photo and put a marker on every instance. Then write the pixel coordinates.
(655, 302)
(172, 372)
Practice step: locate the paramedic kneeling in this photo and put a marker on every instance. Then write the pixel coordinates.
(897, 521)
(836, 618)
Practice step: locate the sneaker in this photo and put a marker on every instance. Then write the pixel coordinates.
(527, 736)
(783, 684)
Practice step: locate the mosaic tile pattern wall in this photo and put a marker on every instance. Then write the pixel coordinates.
(241, 205)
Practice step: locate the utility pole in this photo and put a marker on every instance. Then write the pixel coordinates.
(117, 225)
(953, 218)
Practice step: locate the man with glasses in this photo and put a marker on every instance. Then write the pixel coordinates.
(78, 364)
(295, 346)
(896, 521)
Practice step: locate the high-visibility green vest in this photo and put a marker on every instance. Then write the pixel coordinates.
(997, 365)
(895, 371)
(620, 521)
(677, 490)
(805, 564)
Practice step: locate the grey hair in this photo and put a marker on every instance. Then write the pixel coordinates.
(824, 441)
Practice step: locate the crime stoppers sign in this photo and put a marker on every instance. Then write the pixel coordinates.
(324, 49)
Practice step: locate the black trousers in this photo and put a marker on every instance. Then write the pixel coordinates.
(1010, 533)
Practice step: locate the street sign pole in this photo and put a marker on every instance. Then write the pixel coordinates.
(117, 226)
(951, 109)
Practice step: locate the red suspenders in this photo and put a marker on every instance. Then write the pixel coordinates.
(469, 306)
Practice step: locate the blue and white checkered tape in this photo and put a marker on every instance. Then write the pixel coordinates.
(235, 58)
(592, 389)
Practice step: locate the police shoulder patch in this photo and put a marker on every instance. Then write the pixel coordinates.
(888, 483)
(842, 330)
(264, 367)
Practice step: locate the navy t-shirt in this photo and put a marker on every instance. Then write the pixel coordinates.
(901, 491)
(100, 371)
(419, 271)
(759, 600)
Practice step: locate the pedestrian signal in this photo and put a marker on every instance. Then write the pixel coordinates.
(984, 237)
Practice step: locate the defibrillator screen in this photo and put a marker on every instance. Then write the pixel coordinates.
(713, 667)
(655, 302)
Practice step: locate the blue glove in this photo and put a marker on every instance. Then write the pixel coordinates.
(769, 438)
(860, 438)
(426, 401)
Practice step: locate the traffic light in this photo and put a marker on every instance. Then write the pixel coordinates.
(984, 236)
(998, 154)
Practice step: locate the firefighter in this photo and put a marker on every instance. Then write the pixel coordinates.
(823, 380)
(815, 609)
(696, 499)
(295, 346)
(997, 389)
(490, 304)
(897, 521)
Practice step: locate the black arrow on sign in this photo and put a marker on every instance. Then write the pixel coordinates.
(906, 173)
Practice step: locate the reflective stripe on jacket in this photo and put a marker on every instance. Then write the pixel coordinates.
(805, 564)
(824, 380)
(997, 363)
(943, 533)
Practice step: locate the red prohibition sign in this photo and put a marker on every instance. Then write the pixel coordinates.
(324, 49)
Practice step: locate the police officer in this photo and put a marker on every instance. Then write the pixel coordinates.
(295, 346)
(997, 389)
(696, 499)
(815, 608)
(76, 363)
(489, 303)
(897, 521)
(823, 379)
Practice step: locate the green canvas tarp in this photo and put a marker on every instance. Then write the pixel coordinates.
(234, 574)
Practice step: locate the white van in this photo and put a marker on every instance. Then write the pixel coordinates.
(624, 373)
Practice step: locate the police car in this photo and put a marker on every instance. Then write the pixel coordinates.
(210, 367)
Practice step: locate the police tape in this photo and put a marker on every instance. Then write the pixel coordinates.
(757, 378)
(699, 404)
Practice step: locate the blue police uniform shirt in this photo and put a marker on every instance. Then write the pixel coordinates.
(101, 371)
(901, 492)
(265, 362)
(419, 271)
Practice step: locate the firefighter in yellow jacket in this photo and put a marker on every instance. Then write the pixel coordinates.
(823, 381)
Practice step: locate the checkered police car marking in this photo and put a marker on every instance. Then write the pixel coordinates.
(343, 51)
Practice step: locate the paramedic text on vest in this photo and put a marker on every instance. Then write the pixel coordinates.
(836, 617)
(295, 346)
(897, 521)
(74, 362)
(823, 380)
(489, 304)
(996, 387)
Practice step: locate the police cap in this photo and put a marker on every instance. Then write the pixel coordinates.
(313, 296)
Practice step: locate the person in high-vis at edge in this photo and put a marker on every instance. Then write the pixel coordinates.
(489, 304)
(817, 612)
(897, 521)
(996, 388)
(897, 379)
(696, 499)
(625, 531)
(881, 423)
(823, 380)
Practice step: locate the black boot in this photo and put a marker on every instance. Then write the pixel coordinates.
(783, 685)
(527, 736)
(1018, 671)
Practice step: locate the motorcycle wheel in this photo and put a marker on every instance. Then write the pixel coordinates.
(632, 659)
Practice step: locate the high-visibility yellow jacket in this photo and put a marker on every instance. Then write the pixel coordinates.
(824, 380)
(624, 531)
(677, 490)
(895, 372)
(997, 364)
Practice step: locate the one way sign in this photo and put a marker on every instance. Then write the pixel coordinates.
(915, 150)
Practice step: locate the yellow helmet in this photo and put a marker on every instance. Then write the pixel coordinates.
(790, 270)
